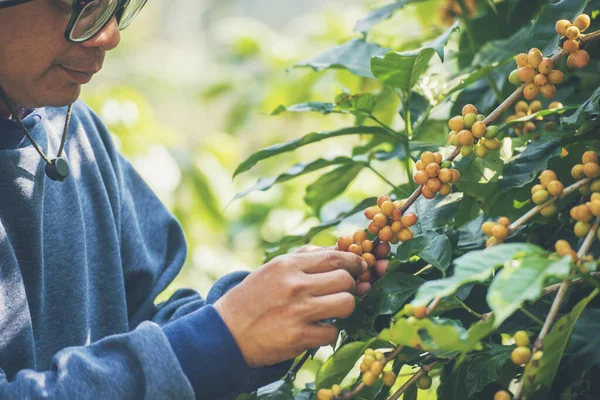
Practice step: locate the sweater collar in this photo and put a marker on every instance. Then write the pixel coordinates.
(11, 133)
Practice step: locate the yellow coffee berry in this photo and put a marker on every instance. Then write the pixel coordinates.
(427, 157)
(555, 77)
(537, 188)
(522, 59)
(421, 177)
(562, 26)
(591, 169)
(546, 66)
(573, 32)
(369, 378)
(535, 106)
(380, 220)
(405, 235)
(457, 123)
(535, 57)
(367, 246)
(369, 359)
(389, 378)
(432, 169)
(492, 144)
(379, 356)
(582, 22)
(420, 312)
(549, 210)
(502, 395)
(386, 208)
(522, 106)
(521, 338)
(504, 221)
(526, 74)
(377, 367)
(589, 157)
(500, 232)
(578, 60)
(581, 228)
(548, 91)
(336, 390)
(382, 199)
(562, 247)
(469, 109)
(540, 80)
(445, 189)
(520, 355)
(465, 138)
(531, 91)
(478, 129)
(577, 172)
(594, 206)
(487, 227)
(547, 176)
(324, 394)
(540, 197)
(555, 188)
(571, 46)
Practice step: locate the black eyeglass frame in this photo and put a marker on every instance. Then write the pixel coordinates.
(80, 5)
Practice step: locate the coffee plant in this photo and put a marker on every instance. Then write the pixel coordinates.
(483, 279)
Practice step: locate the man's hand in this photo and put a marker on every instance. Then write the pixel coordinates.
(274, 313)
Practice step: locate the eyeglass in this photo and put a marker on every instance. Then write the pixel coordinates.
(89, 17)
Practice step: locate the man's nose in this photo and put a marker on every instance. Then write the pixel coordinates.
(108, 38)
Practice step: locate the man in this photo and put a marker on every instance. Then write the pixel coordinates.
(85, 246)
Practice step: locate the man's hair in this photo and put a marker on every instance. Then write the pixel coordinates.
(9, 3)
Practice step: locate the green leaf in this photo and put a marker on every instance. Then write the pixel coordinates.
(487, 366)
(583, 350)
(303, 141)
(323, 108)
(288, 242)
(480, 176)
(295, 171)
(279, 390)
(525, 167)
(542, 33)
(475, 266)
(339, 364)
(586, 115)
(353, 55)
(538, 381)
(434, 248)
(437, 334)
(389, 293)
(523, 279)
(452, 382)
(330, 185)
(358, 104)
(376, 16)
(403, 70)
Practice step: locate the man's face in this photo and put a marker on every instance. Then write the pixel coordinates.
(38, 66)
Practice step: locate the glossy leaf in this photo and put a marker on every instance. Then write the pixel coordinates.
(538, 380)
(525, 167)
(433, 248)
(542, 34)
(403, 70)
(430, 334)
(330, 185)
(353, 55)
(588, 115)
(380, 14)
(390, 292)
(279, 390)
(523, 279)
(339, 364)
(295, 171)
(303, 141)
(323, 108)
(475, 266)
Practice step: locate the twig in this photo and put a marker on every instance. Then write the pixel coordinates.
(412, 380)
(291, 374)
(564, 286)
(467, 308)
(530, 315)
(578, 281)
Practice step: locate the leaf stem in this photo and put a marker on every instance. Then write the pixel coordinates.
(530, 315)
(383, 178)
(392, 132)
(467, 308)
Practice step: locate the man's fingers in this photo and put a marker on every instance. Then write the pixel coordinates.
(318, 334)
(331, 260)
(331, 282)
(338, 305)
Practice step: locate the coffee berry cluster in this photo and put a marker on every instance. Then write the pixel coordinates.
(571, 41)
(523, 109)
(549, 186)
(498, 231)
(388, 222)
(435, 175)
(584, 213)
(520, 355)
(537, 73)
(563, 248)
(470, 132)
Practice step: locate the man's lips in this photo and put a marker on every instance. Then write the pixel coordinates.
(78, 75)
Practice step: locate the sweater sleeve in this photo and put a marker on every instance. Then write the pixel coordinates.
(137, 365)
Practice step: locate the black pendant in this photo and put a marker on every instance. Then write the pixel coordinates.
(58, 169)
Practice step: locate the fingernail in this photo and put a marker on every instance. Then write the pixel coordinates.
(365, 265)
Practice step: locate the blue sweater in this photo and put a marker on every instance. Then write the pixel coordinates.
(81, 263)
